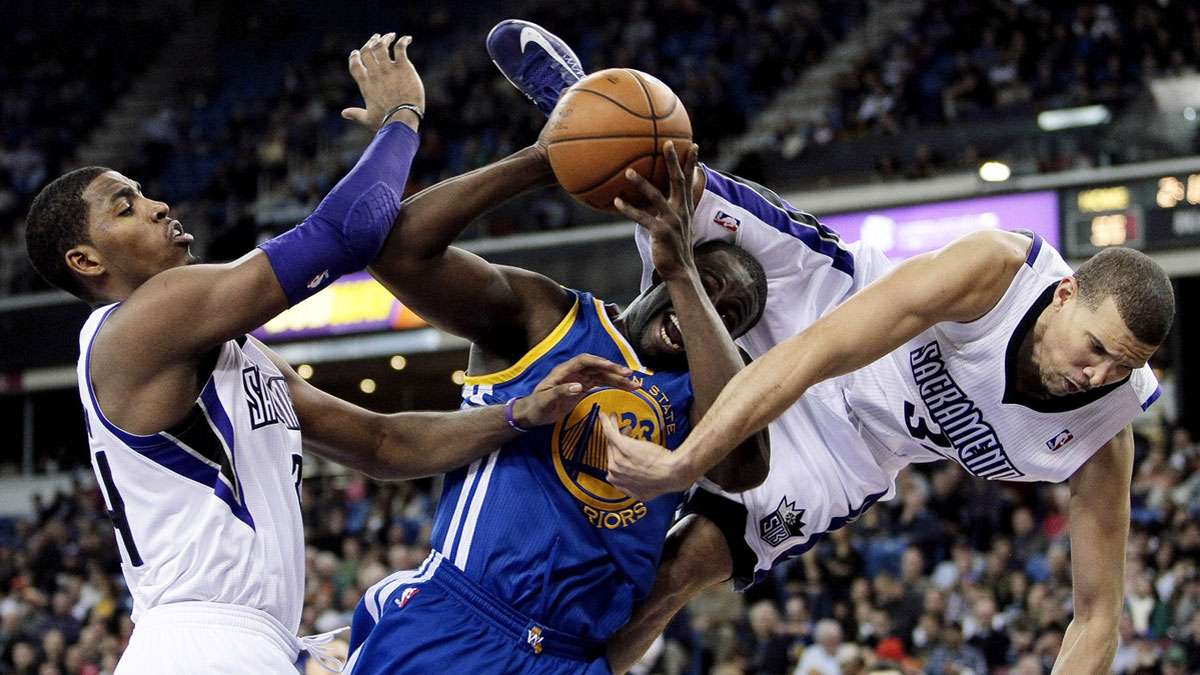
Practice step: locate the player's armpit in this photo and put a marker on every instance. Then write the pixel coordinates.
(458, 291)
(746, 466)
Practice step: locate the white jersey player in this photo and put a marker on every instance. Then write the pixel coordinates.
(986, 353)
(207, 512)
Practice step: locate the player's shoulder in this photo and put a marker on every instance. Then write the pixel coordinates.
(999, 246)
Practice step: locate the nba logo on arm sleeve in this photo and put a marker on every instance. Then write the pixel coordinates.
(727, 221)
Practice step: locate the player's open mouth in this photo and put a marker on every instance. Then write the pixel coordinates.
(670, 333)
(178, 236)
(1072, 388)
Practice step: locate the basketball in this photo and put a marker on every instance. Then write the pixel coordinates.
(609, 121)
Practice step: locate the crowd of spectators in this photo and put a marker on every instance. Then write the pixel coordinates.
(253, 137)
(240, 153)
(955, 575)
(961, 62)
(56, 83)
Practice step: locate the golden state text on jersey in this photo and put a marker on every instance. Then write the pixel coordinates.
(536, 523)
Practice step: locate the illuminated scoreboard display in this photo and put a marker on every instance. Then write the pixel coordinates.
(1150, 214)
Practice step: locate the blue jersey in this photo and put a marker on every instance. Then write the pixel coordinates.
(534, 523)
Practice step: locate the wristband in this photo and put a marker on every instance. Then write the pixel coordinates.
(404, 106)
(508, 415)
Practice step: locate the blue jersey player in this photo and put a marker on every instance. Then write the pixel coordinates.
(537, 560)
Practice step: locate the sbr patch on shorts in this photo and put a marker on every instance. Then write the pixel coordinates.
(783, 524)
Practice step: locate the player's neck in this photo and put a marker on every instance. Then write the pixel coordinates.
(1029, 373)
(617, 319)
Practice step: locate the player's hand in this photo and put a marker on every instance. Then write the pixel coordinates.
(385, 81)
(641, 469)
(565, 386)
(668, 219)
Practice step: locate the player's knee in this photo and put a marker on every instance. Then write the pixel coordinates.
(695, 557)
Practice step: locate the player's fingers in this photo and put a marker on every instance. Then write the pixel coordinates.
(581, 367)
(357, 115)
(384, 47)
(598, 366)
(357, 69)
(568, 390)
(689, 168)
(612, 431)
(371, 49)
(656, 197)
(635, 214)
(607, 378)
(675, 173)
(400, 48)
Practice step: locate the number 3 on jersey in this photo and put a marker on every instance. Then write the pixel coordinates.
(919, 429)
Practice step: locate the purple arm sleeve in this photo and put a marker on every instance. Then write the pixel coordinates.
(349, 227)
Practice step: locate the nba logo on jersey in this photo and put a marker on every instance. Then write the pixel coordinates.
(406, 596)
(727, 221)
(783, 524)
(1059, 440)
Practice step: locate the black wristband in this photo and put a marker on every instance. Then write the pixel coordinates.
(404, 106)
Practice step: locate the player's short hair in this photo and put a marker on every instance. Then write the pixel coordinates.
(58, 221)
(752, 265)
(1138, 286)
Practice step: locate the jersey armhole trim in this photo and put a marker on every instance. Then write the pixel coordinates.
(135, 441)
(623, 345)
(1034, 249)
(1152, 398)
(539, 350)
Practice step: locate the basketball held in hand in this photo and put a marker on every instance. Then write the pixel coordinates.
(607, 122)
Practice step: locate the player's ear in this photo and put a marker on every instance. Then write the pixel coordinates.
(85, 260)
(1067, 288)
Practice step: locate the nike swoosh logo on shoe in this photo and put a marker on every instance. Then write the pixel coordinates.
(530, 35)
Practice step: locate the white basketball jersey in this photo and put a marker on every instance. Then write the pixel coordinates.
(950, 393)
(809, 269)
(208, 510)
(809, 272)
(836, 451)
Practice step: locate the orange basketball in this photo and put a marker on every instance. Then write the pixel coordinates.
(609, 121)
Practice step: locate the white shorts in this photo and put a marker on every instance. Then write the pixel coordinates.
(209, 638)
(822, 475)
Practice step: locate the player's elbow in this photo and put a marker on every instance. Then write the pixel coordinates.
(746, 467)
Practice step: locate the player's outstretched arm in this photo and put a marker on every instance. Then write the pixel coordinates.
(152, 343)
(415, 444)
(960, 282)
(1099, 525)
(503, 309)
(713, 357)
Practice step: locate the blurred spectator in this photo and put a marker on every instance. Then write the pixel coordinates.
(822, 657)
(768, 643)
(955, 657)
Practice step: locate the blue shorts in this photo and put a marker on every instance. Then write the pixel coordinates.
(435, 619)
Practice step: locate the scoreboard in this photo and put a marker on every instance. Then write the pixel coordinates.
(1148, 213)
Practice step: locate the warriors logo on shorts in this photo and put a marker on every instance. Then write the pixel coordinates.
(783, 524)
(581, 454)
